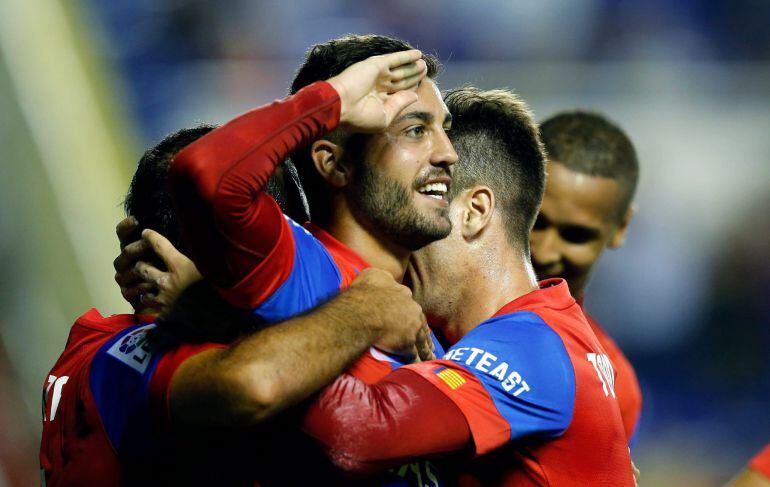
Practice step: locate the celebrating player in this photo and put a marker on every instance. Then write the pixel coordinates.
(526, 387)
(587, 206)
(105, 401)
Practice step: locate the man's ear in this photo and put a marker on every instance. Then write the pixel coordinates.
(619, 238)
(478, 206)
(327, 157)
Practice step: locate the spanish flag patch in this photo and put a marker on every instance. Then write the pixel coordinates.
(453, 379)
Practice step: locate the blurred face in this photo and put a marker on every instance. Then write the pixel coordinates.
(577, 220)
(403, 182)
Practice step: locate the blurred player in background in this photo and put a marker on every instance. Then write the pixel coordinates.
(525, 388)
(587, 207)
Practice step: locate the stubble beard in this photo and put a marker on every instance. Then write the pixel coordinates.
(390, 208)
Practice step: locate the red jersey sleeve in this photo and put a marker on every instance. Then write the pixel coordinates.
(370, 427)
(233, 228)
(160, 382)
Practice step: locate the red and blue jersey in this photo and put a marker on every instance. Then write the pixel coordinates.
(315, 267)
(528, 395)
(538, 393)
(104, 400)
(107, 396)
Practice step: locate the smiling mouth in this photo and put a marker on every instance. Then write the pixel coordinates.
(438, 191)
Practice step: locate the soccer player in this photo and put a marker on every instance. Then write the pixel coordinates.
(757, 473)
(592, 177)
(376, 167)
(526, 387)
(106, 417)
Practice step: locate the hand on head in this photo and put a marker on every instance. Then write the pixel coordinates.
(139, 268)
(375, 90)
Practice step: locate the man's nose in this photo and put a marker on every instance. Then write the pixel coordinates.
(443, 151)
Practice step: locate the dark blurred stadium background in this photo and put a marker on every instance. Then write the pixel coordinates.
(86, 85)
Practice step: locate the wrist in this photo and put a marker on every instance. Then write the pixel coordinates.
(362, 312)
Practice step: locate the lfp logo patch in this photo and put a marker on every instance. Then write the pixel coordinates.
(133, 349)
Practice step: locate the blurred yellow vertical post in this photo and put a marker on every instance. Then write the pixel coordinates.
(80, 143)
(66, 157)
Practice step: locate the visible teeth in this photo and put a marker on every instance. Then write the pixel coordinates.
(433, 188)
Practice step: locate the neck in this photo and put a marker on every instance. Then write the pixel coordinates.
(487, 287)
(378, 251)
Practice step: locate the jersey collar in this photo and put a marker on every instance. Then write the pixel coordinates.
(552, 293)
(336, 247)
(94, 318)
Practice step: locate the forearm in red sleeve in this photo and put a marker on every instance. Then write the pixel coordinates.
(368, 428)
(229, 224)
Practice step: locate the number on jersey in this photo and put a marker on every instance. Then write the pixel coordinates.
(603, 368)
(55, 384)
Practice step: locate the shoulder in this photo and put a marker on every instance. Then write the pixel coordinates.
(524, 366)
(312, 277)
(522, 339)
(89, 332)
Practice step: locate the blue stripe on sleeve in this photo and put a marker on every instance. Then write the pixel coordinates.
(526, 369)
(314, 279)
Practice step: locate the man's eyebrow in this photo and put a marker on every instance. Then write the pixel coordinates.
(422, 116)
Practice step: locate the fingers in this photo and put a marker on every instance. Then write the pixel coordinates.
(408, 70)
(424, 344)
(397, 102)
(407, 83)
(396, 59)
(150, 273)
(132, 252)
(127, 231)
(152, 300)
(161, 246)
(133, 294)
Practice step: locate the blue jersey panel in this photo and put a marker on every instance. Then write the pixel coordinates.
(119, 380)
(314, 279)
(438, 351)
(526, 369)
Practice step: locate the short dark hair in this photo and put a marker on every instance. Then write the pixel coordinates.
(589, 143)
(322, 62)
(497, 142)
(149, 200)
